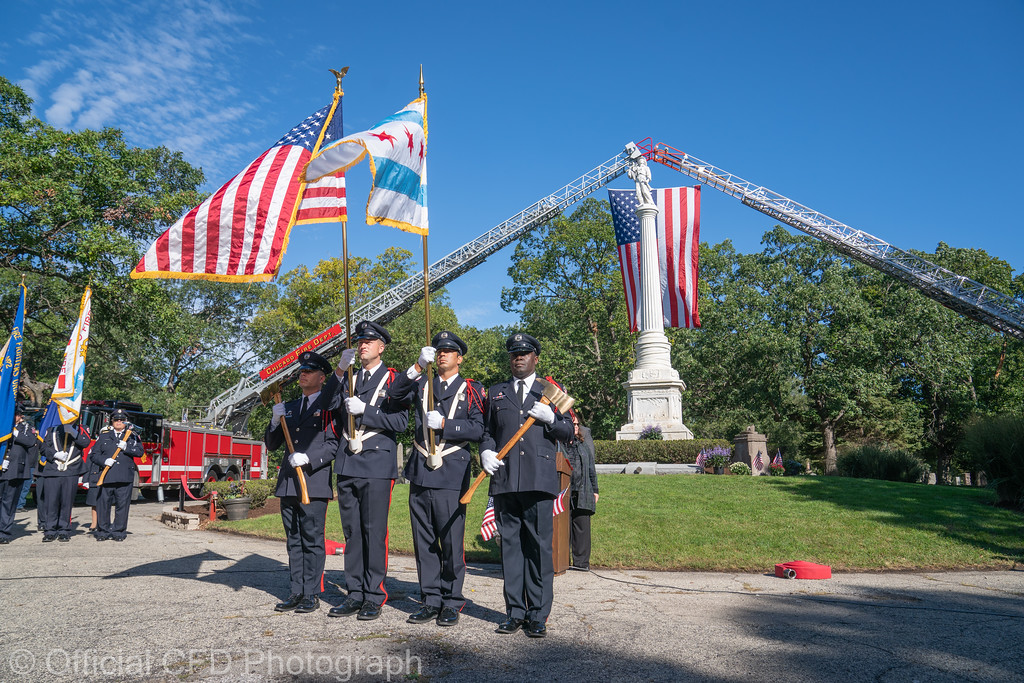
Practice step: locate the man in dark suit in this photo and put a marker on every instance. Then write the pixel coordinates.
(306, 420)
(17, 465)
(115, 449)
(524, 486)
(366, 467)
(62, 447)
(438, 518)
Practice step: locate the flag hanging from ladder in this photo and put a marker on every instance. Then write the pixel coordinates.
(678, 236)
(397, 147)
(240, 233)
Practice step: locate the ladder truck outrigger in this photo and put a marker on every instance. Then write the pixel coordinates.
(230, 410)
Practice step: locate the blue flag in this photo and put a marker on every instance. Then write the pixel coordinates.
(10, 376)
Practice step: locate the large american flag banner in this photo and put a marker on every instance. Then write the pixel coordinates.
(678, 235)
(240, 232)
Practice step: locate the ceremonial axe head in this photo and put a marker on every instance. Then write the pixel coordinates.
(268, 393)
(557, 397)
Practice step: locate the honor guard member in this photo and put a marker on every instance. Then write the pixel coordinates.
(438, 519)
(18, 462)
(366, 468)
(524, 486)
(115, 451)
(62, 448)
(305, 418)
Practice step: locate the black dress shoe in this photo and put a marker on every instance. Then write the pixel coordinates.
(448, 617)
(510, 625)
(579, 569)
(102, 537)
(119, 539)
(64, 539)
(346, 609)
(426, 613)
(368, 612)
(49, 538)
(4, 541)
(291, 603)
(310, 603)
(535, 629)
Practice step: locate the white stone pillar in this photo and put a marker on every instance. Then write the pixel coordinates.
(653, 390)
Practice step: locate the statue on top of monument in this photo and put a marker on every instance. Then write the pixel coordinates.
(639, 173)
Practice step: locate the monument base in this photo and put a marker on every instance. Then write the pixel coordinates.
(654, 396)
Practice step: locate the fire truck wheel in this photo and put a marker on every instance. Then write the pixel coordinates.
(232, 475)
(213, 475)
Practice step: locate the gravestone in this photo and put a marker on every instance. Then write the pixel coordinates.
(748, 444)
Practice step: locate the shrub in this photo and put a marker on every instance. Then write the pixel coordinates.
(873, 462)
(258, 490)
(776, 470)
(794, 468)
(665, 452)
(740, 468)
(997, 444)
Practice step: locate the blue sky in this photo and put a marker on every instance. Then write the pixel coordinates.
(902, 119)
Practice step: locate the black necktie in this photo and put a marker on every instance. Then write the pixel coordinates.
(302, 411)
(519, 390)
(444, 387)
(366, 378)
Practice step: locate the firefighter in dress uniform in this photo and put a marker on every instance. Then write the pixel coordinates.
(115, 449)
(366, 468)
(18, 462)
(438, 518)
(524, 486)
(306, 419)
(62, 449)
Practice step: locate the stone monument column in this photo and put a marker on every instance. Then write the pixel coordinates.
(653, 389)
(748, 444)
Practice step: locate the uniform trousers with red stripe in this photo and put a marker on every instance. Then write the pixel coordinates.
(304, 539)
(438, 536)
(364, 505)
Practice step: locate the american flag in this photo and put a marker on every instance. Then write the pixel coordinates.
(702, 458)
(758, 461)
(559, 506)
(777, 460)
(678, 231)
(239, 234)
(488, 526)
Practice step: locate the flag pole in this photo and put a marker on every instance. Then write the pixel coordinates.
(433, 460)
(349, 377)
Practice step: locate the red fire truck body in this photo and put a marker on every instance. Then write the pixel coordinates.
(175, 448)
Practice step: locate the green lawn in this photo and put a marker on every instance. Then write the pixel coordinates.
(737, 523)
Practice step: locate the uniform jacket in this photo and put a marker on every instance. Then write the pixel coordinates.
(465, 425)
(124, 468)
(64, 438)
(22, 452)
(529, 464)
(383, 419)
(309, 437)
(580, 453)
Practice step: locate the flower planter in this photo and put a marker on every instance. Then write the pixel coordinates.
(719, 470)
(236, 508)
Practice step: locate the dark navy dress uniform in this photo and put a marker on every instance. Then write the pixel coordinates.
(438, 519)
(304, 524)
(524, 491)
(366, 479)
(116, 491)
(19, 461)
(61, 478)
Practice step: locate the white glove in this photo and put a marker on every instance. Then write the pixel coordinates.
(61, 456)
(355, 406)
(297, 459)
(435, 420)
(109, 462)
(122, 444)
(489, 461)
(427, 354)
(348, 357)
(278, 412)
(542, 413)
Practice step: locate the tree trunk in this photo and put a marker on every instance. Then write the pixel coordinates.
(828, 439)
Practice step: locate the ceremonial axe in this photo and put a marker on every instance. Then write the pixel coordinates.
(273, 393)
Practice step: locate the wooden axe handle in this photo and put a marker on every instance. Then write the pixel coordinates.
(468, 495)
(291, 449)
(103, 474)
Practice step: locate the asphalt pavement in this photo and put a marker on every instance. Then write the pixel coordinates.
(170, 605)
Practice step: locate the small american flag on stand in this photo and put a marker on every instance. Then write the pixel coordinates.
(777, 460)
(702, 458)
(758, 461)
(559, 506)
(488, 526)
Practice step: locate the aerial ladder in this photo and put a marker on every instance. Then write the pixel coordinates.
(961, 294)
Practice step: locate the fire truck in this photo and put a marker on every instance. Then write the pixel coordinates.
(172, 449)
